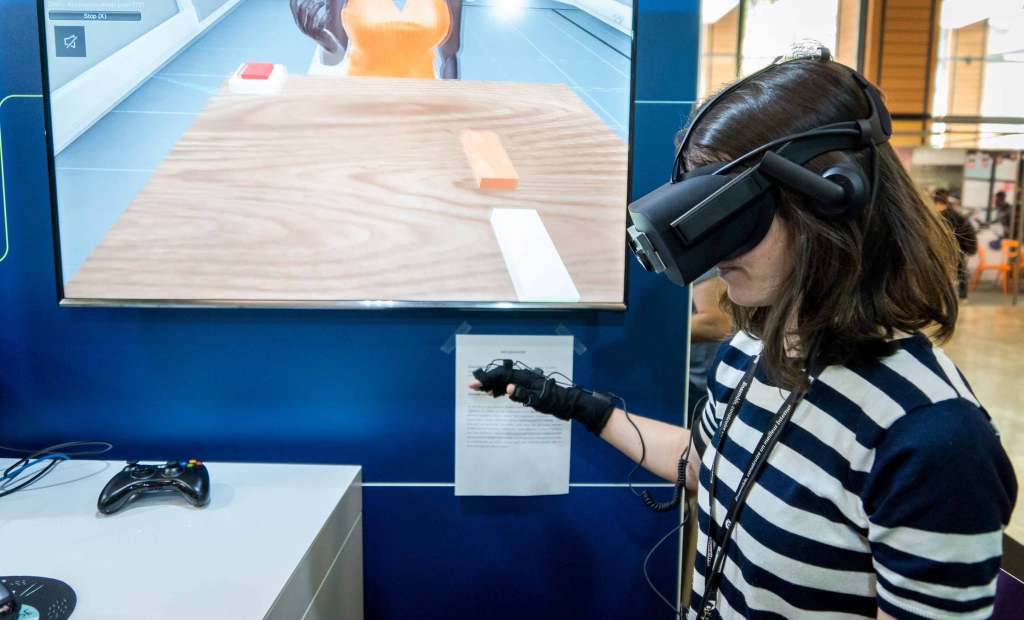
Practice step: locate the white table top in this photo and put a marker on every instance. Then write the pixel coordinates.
(160, 557)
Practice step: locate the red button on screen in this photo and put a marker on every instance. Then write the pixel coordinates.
(257, 70)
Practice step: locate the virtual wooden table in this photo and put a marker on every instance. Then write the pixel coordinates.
(358, 189)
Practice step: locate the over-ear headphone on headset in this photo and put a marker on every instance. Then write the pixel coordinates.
(716, 212)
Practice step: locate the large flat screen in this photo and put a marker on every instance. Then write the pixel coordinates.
(339, 152)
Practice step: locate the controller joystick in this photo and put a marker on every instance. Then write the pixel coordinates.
(189, 479)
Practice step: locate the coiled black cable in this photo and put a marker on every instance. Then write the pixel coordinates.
(12, 480)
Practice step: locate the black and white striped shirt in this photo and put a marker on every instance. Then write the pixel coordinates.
(888, 490)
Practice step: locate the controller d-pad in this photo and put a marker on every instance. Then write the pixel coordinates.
(140, 473)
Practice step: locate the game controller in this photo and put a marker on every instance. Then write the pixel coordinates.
(190, 479)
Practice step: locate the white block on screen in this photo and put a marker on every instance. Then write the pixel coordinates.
(533, 263)
(270, 86)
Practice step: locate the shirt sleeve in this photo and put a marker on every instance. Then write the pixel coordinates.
(707, 425)
(939, 493)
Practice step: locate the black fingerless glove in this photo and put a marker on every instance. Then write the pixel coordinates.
(535, 390)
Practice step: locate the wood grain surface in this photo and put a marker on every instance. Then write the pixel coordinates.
(358, 189)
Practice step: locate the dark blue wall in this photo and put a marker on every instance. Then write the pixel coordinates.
(371, 388)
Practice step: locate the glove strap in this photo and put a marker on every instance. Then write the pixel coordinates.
(593, 410)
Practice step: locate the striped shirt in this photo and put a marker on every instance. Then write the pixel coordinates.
(888, 490)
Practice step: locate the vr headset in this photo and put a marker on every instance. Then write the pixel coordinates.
(720, 211)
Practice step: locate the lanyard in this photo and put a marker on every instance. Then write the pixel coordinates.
(716, 550)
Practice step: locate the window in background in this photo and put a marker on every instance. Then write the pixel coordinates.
(849, 21)
(720, 44)
(771, 27)
(979, 75)
(741, 37)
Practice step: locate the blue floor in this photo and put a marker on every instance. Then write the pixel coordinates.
(101, 172)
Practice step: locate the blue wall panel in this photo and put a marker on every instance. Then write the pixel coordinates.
(668, 31)
(575, 556)
(372, 388)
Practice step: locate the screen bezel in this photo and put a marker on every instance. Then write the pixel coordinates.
(354, 304)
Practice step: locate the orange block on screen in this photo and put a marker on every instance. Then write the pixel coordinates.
(491, 165)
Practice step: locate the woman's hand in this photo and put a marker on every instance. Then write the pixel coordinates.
(663, 443)
(544, 394)
(503, 379)
(476, 386)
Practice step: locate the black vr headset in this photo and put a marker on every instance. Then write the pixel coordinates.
(717, 212)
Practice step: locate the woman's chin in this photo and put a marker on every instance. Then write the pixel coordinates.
(743, 296)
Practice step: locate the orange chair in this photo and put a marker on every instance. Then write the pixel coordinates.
(1008, 251)
(1011, 256)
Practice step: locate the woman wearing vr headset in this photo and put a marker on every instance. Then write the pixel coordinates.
(842, 464)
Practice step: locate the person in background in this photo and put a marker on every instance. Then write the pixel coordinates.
(1002, 214)
(709, 326)
(966, 237)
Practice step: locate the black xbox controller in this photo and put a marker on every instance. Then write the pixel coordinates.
(190, 479)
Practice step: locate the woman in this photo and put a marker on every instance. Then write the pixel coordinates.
(376, 38)
(888, 490)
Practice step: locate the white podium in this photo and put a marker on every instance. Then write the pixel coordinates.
(276, 541)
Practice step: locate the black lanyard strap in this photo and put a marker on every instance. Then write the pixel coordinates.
(714, 559)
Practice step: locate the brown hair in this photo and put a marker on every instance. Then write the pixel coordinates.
(855, 282)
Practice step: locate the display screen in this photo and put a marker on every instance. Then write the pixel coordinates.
(339, 152)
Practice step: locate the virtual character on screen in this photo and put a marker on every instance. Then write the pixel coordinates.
(376, 38)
